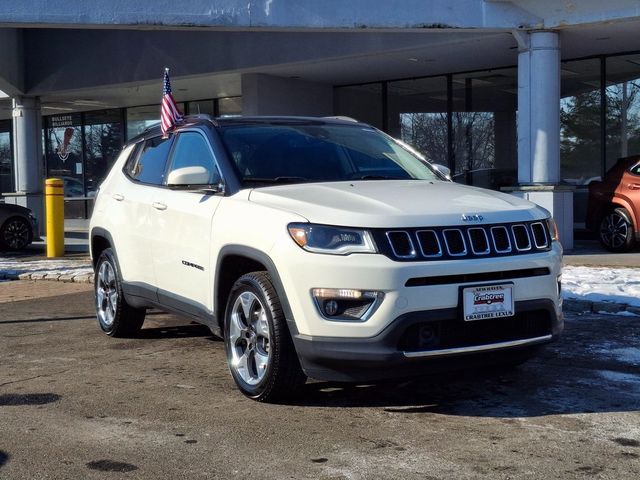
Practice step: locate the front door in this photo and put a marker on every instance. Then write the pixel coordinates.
(182, 251)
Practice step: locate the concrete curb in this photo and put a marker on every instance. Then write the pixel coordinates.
(586, 306)
(52, 277)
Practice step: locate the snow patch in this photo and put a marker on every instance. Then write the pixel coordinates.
(596, 284)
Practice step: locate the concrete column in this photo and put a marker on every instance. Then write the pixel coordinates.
(27, 153)
(539, 129)
(539, 108)
(270, 95)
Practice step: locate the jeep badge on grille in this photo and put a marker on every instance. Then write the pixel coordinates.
(472, 218)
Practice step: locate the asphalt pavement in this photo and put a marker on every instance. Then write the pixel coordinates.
(75, 403)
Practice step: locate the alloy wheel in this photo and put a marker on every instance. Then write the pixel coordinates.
(249, 338)
(614, 230)
(16, 234)
(106, 294)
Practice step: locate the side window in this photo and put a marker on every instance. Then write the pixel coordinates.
(635, 170)
(150, 164)
(192, 150)
(130, 165)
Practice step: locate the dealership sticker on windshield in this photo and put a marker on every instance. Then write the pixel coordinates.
(489, 301)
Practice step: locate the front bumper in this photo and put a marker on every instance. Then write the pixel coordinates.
(398, 352)
(407, 287)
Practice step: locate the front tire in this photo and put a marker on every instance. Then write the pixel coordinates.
(16, 234)
(260, 352)
(616, 231)
(115, 316)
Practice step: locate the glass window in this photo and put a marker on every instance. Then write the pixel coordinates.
(362, 102)
(152, 160)
(141, 118)
(580, 140)
(267, 154)
(484, 148)
(623, 107)
(418, 115)
(635, 170)
(192, 149)
(201, 106)
(63, 146)
(6, 157)
(103, 141)
(231, 106)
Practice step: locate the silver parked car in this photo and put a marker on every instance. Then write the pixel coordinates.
(17, 227)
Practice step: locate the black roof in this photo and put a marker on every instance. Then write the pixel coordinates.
(201, 119)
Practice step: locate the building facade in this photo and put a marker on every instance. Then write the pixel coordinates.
(537, 98)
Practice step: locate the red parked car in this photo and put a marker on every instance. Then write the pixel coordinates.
(614, 206)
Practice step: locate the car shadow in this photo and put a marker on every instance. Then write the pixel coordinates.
(593, 368)
(178, 331)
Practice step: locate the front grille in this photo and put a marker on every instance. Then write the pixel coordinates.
(455, 333)
(477, 241)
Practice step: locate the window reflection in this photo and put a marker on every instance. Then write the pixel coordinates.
(418, 115)
(484, 148)
(623, 107)
(6, 158)
(580, 139)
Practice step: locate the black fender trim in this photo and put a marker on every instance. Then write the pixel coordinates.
(264, 259)
(100, 232)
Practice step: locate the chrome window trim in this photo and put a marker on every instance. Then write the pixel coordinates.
(493, 239)
(515, 239)
(486, 238)
(464, 243)
(393, 248)
(440, 251)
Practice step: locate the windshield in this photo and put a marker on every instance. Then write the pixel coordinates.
(308, 152)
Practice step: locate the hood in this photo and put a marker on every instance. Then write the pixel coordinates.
(395, 203)
(14, 209)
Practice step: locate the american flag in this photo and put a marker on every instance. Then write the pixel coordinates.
(170, 113)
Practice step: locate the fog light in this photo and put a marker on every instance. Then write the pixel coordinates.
(331, 307)
(346, 304)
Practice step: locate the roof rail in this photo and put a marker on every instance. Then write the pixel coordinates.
(342, 117)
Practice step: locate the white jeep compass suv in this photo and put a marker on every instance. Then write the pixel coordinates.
(321, 248)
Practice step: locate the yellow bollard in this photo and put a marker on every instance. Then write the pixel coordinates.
(54, 204)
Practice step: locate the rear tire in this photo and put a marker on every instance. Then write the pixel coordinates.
(115, 316)
(260, 352)
(616, 231)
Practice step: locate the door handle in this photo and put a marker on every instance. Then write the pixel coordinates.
(159, 206)
(117, 196)
(634, 186)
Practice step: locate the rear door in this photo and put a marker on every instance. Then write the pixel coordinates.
(132, 220)
(182, 254)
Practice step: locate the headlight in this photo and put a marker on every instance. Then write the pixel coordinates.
(332, 240)
(553, 229)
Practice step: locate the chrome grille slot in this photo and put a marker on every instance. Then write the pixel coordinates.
(501, 240)
(521, 237)
(454, 241)
(540, 238)
(401, 244)
(479, 241)
(429, 243)
(435, 243)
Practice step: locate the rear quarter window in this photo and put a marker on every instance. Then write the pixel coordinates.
(149, 161)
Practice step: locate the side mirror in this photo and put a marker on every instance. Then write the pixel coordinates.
(441, 169)
(196, 175)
